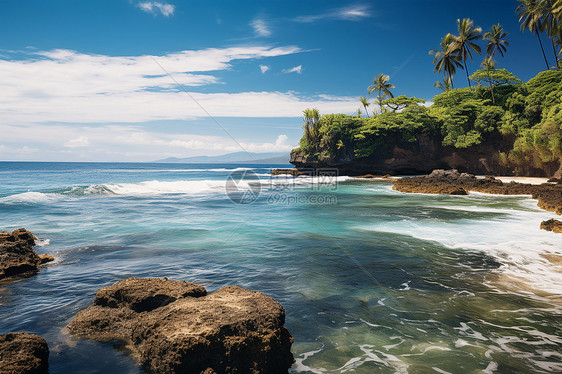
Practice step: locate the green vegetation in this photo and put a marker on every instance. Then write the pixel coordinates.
(522, 122)
(527, 115)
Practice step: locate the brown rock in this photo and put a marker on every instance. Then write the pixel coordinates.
(552, 225)
(16, 253)
(293, 172)
(549, 196)
(23, 353)
(174, 326)
(46, 258)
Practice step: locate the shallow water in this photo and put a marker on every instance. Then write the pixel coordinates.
(379, 281)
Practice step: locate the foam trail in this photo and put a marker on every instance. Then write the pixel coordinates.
(513, 237)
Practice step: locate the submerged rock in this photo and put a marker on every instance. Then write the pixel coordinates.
(552, 225)
(23, 353)
(176, 327)
(17, 255)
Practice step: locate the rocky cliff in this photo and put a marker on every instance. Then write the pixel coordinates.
(423, 156)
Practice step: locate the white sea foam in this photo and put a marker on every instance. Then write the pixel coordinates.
(159, 188)
(29, 198)
(42, 242)
(513, 237)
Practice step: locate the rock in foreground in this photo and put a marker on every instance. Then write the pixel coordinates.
(23, 353)
(17, 255)
(175, 327)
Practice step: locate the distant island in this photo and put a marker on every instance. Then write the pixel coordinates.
(280, 158)
(497, 125)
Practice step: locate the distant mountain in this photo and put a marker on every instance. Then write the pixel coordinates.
(233, 158)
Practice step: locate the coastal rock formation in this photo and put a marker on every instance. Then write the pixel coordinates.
(176, 327)
(23, 353)
(423, 156)
(17, 255)
(549, 195)
(553, 225)
(292, 172)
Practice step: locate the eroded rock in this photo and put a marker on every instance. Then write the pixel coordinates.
(176, 327)
(552, 225)
(23, 353)
(17, 255)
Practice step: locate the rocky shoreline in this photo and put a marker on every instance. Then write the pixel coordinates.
(176, 327)
(169, 326)
(451, 182)
(17, 256)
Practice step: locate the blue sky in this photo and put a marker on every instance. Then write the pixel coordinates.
(96, 80)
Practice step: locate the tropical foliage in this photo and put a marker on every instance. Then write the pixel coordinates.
(522, 121)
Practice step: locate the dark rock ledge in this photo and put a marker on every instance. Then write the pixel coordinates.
(17, 256)
(176, 327)
(23, 353)
(451, 182)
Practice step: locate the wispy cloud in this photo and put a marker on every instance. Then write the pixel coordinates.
(264, 68)
(349, 13)
(154, 7)
(79, 142)
(296, 69)
(261, 28)
(68, 86)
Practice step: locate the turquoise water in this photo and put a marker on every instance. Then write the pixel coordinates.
(372, 280)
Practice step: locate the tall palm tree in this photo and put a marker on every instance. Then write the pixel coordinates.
(380, 83)
(446, 85)
(489, 64)
(550, 22)
(365, 104)
(465, 41)
(530, 16)
(496, 40)
(446, 59)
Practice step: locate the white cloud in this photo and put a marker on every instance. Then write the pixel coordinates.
(296, 69)
(82, 141)
(349, 13)
(67, 86)
(120, 142)
(261, 28)
(264, 68)
(153, 7)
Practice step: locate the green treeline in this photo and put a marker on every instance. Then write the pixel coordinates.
(497, 108)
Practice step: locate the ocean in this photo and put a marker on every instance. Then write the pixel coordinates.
(372, 280)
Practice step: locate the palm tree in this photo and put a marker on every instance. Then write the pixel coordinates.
(464, 42)
(446, 85)
(490, 64)
(311, 126)
(380, 83)
(550, 22)
(446, 59)
(365, 104)
(496, 40)
(530, 14)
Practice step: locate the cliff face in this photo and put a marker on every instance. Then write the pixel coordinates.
(423, 156)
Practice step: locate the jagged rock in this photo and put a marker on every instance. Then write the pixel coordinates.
(450, 182)
(23, 353)
(292, 172)
(17, 255)
(175, 327)
(552, 225)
